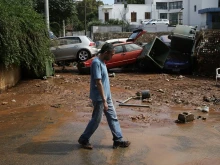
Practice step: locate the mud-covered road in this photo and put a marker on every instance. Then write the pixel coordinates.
(41, 120)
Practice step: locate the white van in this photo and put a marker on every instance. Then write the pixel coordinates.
(158, 22)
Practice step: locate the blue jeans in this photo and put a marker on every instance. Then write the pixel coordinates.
(96, 119)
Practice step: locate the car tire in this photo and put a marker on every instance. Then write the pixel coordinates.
(83, 55)
(141, 66)
(153, 24)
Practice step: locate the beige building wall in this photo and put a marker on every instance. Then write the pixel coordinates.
(9, 76)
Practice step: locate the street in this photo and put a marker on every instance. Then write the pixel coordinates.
(41, 121)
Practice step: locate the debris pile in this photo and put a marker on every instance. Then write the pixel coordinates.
(185, 117)
(208, 52)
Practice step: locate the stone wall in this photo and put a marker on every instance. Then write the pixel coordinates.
(147, 37)
(9, 76)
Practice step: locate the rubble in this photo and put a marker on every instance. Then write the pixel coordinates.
(186, 117)
(208, 52)
(56, 105)
(205, 108)
(4, 103)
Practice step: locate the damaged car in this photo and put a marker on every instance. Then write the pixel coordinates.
(174, 52)
(181, 56)
(134, 37)
(125, 54)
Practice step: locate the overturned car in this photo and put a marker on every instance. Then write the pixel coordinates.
(176, 56)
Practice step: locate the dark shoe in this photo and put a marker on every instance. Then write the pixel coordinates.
(85, 144)
(122, 144)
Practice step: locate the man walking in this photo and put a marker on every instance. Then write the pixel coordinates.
(100, 95)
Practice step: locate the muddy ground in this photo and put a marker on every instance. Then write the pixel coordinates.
(41, 120)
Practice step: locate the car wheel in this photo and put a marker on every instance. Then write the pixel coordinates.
(83, 55)
(153, 24)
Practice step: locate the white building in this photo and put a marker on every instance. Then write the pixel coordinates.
(204, 13)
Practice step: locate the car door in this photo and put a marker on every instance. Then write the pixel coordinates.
(66, 49)
(159, 22)
(132, 51)
(117, 59)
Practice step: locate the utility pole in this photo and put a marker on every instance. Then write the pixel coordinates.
(47, 14)
(85, 17)
(64, 28)
(180, 18)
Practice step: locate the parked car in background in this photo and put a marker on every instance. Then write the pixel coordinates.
(158, 22)
(73, 48)
(125, 54)
(144, 22)
(52, 35)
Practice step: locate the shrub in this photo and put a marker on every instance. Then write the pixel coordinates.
(24, 39)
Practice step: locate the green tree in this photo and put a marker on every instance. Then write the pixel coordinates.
(59, 10)
(24, 39)
(87, 10)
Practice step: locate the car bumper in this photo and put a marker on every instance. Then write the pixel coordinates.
(94, 51)
(82, 69)
(176, 66)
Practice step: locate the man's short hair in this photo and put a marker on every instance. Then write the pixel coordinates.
(107, 47)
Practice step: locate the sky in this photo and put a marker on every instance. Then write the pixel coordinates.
(110, 2)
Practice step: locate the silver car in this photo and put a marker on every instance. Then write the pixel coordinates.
(73, 48)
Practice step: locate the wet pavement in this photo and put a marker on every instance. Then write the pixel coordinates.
(42, 120)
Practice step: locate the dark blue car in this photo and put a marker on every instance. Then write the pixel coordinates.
(181, 42)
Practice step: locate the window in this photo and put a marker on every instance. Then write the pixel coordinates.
(118, 49)
(161, 5)
(163, 15)
(173, 18)
(132, 47)
(180, 18)
(176, 5)
(106, 17)
(218, 3)
(68, 41)
(62, 41)
(133, 17)
(147, 15)
(195, 8)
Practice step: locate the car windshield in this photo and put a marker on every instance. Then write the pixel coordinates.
(134, 35)
(152, 20)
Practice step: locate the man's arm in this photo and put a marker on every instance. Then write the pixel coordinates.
(102, 93)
